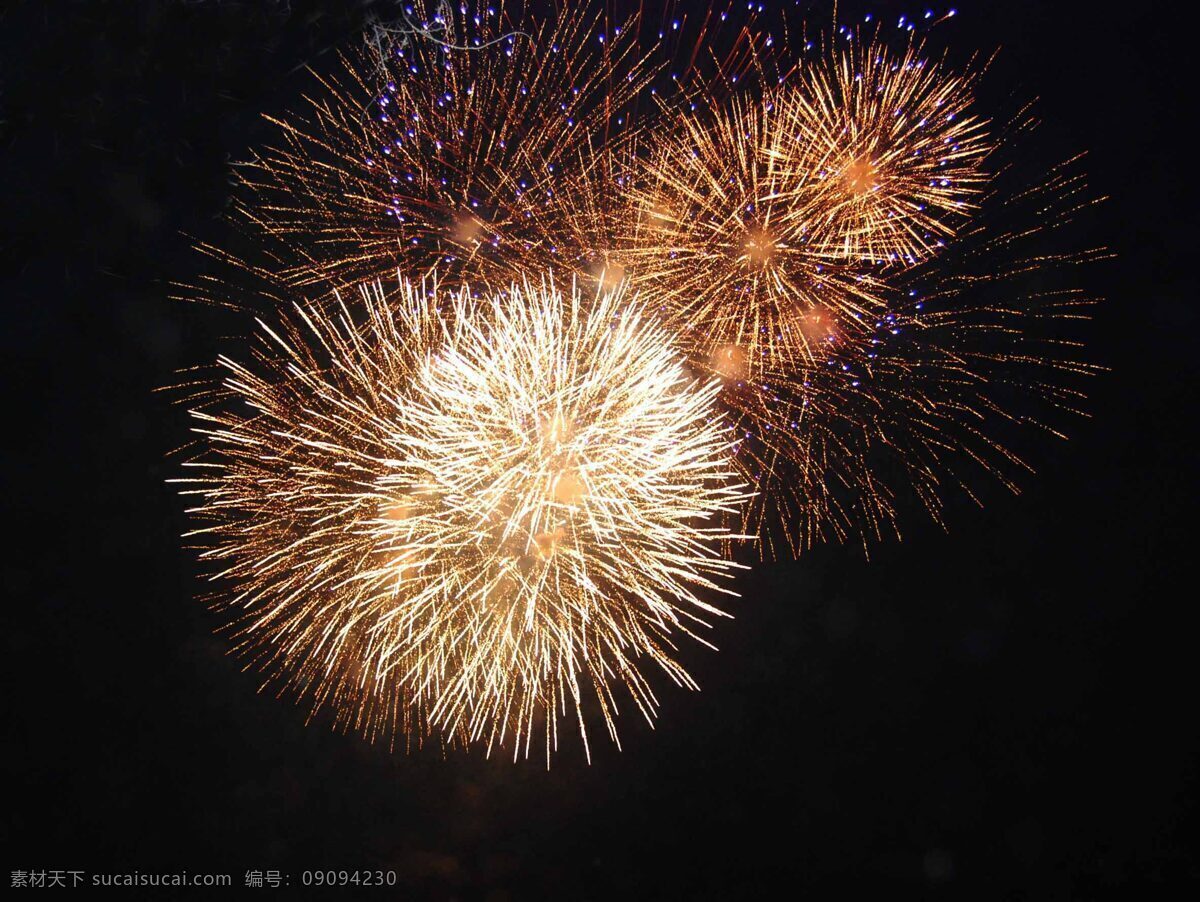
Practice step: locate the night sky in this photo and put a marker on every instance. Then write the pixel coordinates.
(995, 710)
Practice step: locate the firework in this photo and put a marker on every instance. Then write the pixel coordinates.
(891, 149)
(441, 144)
(467, 517)
(831, 247)
(694, 217)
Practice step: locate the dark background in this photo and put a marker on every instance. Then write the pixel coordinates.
(998, 711)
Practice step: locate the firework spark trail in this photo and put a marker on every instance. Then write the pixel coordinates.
(468, 517)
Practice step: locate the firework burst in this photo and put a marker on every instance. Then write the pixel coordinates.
(872, 327)
(441, 144)
(892, 149)
(467, 518)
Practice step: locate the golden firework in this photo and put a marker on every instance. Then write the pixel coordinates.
(829, 247)
(892, 148)
(440, 145)
(439, 514)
